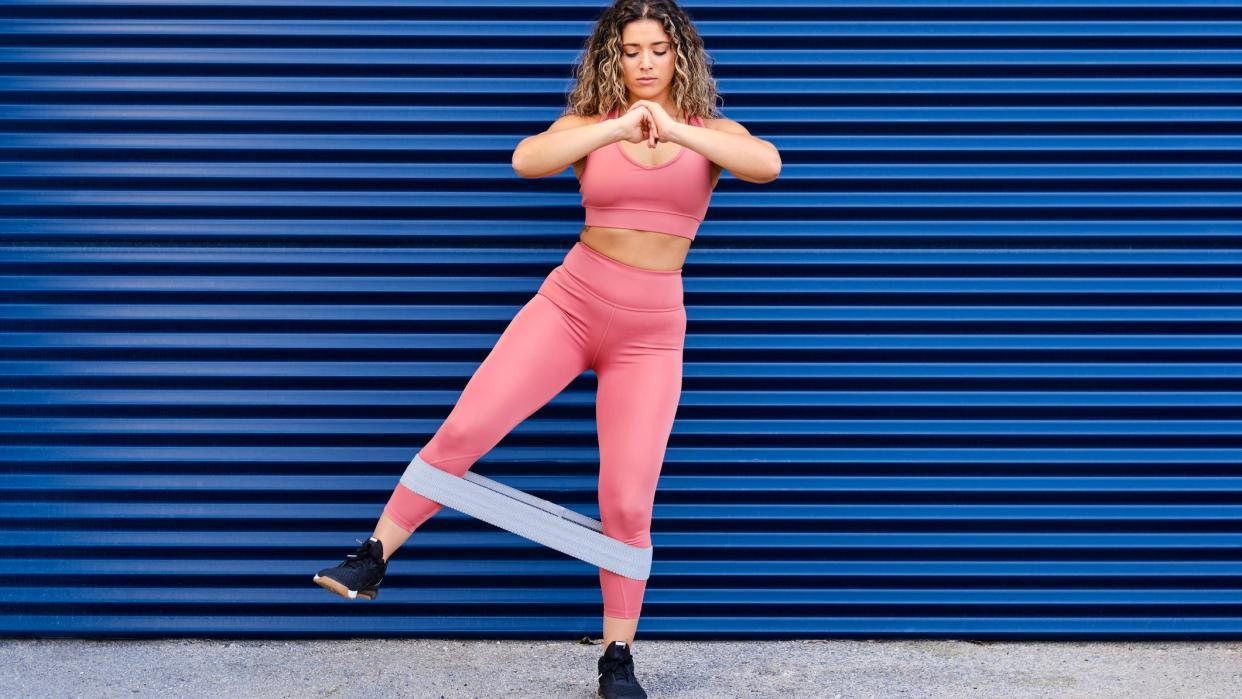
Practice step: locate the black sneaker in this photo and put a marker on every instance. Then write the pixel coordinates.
(616, 674)
(359, 575)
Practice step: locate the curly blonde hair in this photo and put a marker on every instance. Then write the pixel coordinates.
(599, 86)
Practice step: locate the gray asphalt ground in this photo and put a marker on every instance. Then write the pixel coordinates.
(452, 669)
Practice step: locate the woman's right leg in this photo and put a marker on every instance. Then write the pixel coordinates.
(540, 352)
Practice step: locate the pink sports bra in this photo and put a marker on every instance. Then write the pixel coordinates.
(618, 192)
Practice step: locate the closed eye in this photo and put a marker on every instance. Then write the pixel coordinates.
(658, 53)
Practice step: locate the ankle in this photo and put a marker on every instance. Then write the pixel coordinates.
(609, 641)
(385, 554)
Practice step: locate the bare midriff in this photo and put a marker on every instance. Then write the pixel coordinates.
(645, 249)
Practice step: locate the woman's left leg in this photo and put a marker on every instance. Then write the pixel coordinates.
(639, 371)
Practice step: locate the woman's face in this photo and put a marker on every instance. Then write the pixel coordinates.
(646, 51)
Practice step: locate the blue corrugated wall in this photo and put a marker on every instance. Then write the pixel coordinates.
(968, 368)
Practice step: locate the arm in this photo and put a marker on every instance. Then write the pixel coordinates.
(731, 146)
(565, 142)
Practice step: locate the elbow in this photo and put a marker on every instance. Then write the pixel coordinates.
(772, 173)
(775, 170)
(518, 160)
(517, 164)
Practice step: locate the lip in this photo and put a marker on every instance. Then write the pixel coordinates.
(646, 80)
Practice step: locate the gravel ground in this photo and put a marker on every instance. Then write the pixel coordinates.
(465, 669)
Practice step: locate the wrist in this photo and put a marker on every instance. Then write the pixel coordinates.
(676, 133)
(615, 131)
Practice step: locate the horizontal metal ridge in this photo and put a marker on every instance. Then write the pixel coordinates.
(215, 544)
(678, 623)
(1028, 487)
(728, 515)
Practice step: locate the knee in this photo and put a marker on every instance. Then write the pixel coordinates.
(628, 521)
(455, 439)
(452, 435)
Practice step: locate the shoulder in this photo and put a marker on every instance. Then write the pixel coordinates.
(727, 125)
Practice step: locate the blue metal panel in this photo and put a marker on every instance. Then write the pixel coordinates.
(966, 369)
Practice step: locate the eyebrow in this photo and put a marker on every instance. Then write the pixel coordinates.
(654, 43)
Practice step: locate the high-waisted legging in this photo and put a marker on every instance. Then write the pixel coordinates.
(626, 323)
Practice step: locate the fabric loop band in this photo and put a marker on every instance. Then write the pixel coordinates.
(539, 520)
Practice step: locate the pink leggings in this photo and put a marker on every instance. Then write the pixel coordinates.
(627, 324)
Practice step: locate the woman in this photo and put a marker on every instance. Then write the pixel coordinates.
(647, 164)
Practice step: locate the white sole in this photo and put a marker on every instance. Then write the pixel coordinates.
(334, 586)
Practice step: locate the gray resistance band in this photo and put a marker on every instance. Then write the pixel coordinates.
(526, 515)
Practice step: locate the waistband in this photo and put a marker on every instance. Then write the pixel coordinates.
(624, 285)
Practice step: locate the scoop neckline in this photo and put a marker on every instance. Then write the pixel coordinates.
(617, 144)
(681, 151)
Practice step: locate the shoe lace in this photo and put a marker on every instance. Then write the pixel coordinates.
(355, 559)
(621, 666)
